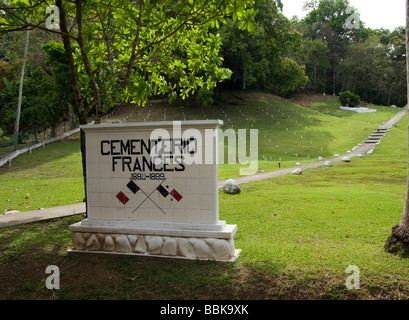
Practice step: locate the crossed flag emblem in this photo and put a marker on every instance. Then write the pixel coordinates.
(132, 189)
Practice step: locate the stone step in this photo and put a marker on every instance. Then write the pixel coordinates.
(372, 140)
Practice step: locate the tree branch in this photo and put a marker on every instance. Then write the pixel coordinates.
(134, 44)
(86, 61)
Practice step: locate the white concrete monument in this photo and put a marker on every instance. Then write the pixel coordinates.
(152, 189)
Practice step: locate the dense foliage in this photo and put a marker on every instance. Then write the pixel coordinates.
(341, 55)
(349, 99)
(260, 59)
(129, 51)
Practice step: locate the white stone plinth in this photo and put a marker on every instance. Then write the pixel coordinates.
(359, 109)
(152, 190)
(212, 242)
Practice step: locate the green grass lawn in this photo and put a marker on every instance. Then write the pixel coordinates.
(298, 234)
(49, 177)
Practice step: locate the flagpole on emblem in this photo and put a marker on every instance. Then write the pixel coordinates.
(148, 197)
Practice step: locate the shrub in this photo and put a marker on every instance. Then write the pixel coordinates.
(205, 97)
(349, 99)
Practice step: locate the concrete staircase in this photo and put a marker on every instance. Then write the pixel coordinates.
(376, 135)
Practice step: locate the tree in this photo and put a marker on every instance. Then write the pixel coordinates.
(124, 50)
(8, 100)
(315, 57)
(375, 67)
(20, 91)
(59, 84)
(327, 20)
(359, 70)
(398, 241)
(349, 99)
(396, 52)
(41, 105)
(259, 59)
(6, 71)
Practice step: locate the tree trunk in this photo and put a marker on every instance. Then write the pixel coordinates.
(54, 130)
(82, 112)
(398, 241)
(20, 92)
(87, 63)
(323, 92)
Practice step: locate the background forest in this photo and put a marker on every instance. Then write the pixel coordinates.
(323, 53)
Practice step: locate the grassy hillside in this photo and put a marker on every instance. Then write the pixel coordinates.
(49, 177)
(288, 133)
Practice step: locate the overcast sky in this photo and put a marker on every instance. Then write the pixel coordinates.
(387, 14)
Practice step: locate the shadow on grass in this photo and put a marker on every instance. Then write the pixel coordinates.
(27, 250)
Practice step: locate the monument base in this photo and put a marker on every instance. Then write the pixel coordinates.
(213, 242)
